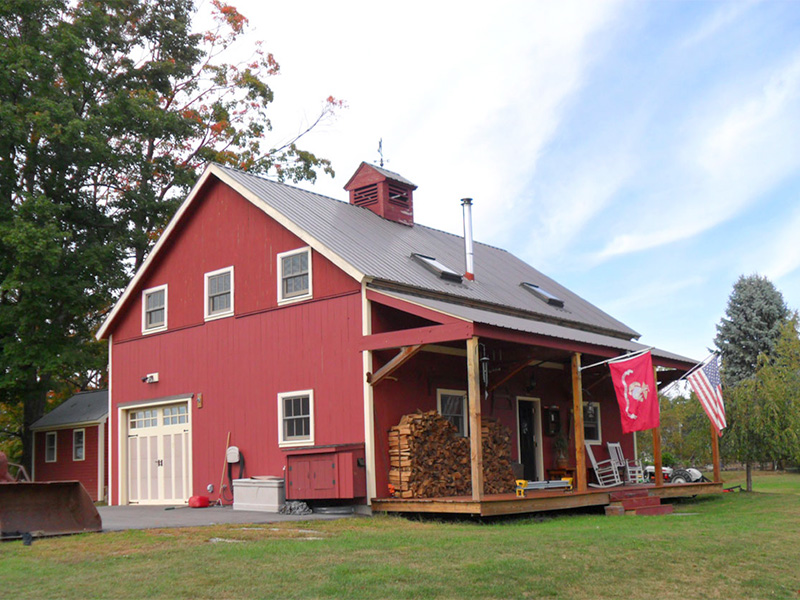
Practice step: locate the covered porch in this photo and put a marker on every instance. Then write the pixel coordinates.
(421, 350)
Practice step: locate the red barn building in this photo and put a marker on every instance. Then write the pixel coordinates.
(71, 443)
(304, 327)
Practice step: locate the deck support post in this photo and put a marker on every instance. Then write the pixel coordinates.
(715, 454)
(577, 411)
(475, 429)
(657, 442)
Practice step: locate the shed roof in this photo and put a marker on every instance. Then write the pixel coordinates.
(82, 408)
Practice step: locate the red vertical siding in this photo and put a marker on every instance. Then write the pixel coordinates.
(240, 364)
(65, 468)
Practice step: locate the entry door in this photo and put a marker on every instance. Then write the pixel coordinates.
(529, 431)
(158, 454)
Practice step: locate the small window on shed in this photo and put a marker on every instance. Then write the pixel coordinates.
(543, 294)
(434, 266)
(78, 444)
(50, 443)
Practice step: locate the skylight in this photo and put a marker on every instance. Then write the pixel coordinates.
(543, 294)
(434, 266)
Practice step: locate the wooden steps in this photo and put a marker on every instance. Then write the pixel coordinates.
(636, 502)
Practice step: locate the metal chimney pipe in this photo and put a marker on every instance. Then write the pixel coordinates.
(470, 271)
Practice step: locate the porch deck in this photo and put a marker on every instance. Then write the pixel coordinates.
(534, 501)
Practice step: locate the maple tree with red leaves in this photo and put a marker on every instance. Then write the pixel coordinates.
(109, 110)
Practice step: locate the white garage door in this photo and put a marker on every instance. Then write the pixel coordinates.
(158, 454)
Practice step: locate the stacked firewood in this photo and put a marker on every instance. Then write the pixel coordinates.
(428, 458)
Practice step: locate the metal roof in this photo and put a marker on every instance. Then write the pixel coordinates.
(382, 250)
(487, 317)
(83, 407)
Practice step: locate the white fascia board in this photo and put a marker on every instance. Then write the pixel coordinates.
(220, 174)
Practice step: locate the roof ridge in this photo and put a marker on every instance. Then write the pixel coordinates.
(295, 187)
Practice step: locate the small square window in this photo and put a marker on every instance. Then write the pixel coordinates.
(50, 443)
(154, 309)
(219, 293)
(78, 444)
(452, 405)
(296, 417)
(591, 423)
(294, 275)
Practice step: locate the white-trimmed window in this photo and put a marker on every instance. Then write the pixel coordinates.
(296, 418)
(50, 444)
(592, 432)
(139, 419)
(154, 309)
(294, 275)
(176, 414)
(452, 405)
(78, 444)
(219, 293)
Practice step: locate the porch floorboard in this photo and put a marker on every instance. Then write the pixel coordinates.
(534, 501)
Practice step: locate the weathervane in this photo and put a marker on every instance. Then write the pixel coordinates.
(380, 150)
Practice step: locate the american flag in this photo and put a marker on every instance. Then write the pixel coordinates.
(706, 384)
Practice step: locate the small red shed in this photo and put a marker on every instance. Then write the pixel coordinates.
(71, 443)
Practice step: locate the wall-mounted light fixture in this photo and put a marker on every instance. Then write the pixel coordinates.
(150, 378)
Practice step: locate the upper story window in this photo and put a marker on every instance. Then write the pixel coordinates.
(50, 442)
(591, 423)
(294, 275)
(154, 309)
(78, 444)
(296, 418)
(219, 293)
(452, 405)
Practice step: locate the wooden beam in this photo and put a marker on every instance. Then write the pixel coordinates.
(657, 456)
(657, 441)
(448, 350)
(511, 374)
(577, 411)
(715, 454)
(418, 335)
(398, 361)
(475, 432)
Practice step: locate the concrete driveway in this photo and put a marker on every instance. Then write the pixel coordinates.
(118, 518)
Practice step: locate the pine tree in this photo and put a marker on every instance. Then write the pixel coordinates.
(751, 326)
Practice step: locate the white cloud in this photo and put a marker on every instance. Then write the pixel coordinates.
(728, 162)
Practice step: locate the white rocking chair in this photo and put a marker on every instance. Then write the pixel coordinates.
(606, 471)
(634, 473)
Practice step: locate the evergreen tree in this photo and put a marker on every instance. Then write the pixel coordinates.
(750, 327)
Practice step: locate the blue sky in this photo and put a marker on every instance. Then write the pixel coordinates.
(644, 154)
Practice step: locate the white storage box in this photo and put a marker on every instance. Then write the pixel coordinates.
(264, 494)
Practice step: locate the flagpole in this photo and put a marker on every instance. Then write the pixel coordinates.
(699, 365)
(632, 354)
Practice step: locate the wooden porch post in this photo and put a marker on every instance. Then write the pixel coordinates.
(715, 455)
(474, 399)
(657, 442)
(577, 411)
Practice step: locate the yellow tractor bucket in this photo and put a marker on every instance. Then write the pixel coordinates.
(46, 508)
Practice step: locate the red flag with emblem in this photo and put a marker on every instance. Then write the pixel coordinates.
(637, 395)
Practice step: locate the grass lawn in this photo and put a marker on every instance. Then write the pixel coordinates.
(734, 545)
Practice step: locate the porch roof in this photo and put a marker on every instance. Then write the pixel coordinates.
(484, 316)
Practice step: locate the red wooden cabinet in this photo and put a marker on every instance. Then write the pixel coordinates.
(326, 472)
